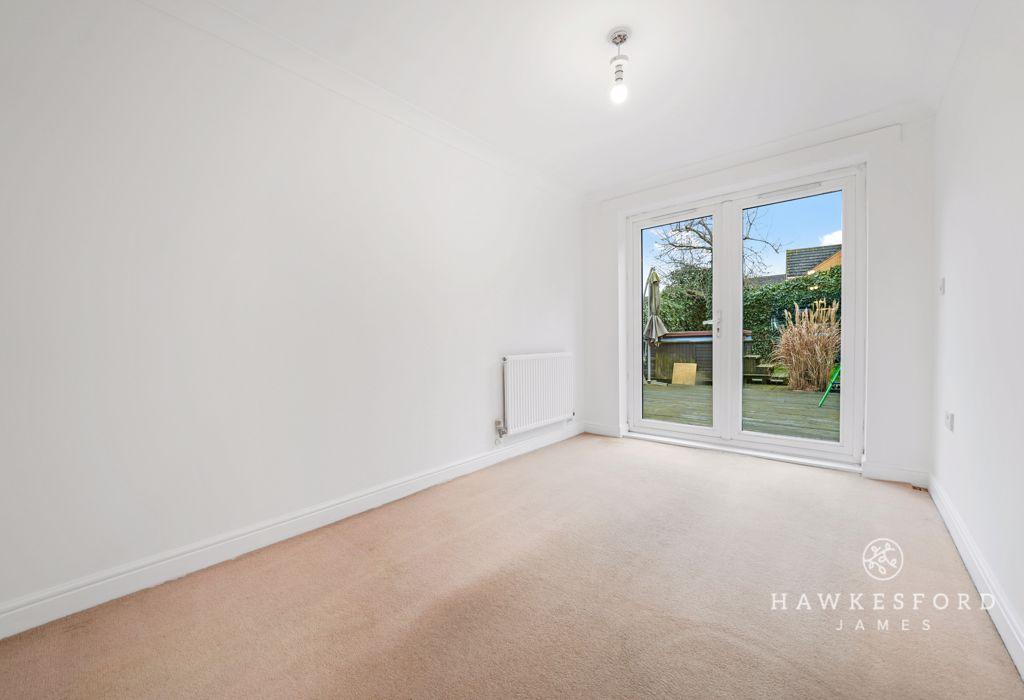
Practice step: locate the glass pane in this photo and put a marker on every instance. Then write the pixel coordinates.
(676, 331)
(792, 284)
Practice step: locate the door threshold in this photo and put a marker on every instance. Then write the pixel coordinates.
(775, 456)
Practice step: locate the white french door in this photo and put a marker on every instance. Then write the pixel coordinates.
(756, 338)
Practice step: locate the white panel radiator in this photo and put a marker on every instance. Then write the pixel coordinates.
(538, 391)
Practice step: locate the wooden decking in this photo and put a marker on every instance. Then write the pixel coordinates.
(766, 409)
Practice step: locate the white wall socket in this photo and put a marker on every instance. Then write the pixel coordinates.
(948, 420)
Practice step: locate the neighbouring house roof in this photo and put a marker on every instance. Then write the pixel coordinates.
(765, 279)
(800, 261)
(828, 263)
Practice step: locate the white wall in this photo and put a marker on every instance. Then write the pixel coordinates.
(228, 294)
(979, 468)
(900, 310)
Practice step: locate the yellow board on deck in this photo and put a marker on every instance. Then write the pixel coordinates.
(684, 373)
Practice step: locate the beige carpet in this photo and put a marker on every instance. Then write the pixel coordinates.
(593, 568)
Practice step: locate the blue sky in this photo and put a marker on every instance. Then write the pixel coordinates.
(797, 223)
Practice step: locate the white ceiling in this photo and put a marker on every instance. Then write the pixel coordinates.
(707, 77)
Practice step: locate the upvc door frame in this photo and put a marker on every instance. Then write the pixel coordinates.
(635, 278)
(727, 261)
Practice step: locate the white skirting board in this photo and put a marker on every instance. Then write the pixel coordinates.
(873, 469)
(607, 430)
(43, 606)
(1006, 619)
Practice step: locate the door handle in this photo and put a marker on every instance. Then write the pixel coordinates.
(716, 324)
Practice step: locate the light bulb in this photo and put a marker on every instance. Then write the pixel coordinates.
(619, 93)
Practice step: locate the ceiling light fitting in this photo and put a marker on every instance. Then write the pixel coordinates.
(619, 91)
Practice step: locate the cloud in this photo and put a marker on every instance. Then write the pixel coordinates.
(834, 238)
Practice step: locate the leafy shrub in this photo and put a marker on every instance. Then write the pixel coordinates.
(686, 298)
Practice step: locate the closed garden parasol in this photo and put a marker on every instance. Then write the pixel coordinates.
(655, 326)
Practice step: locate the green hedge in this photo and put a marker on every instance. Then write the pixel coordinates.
(764, 307)
(686, 302)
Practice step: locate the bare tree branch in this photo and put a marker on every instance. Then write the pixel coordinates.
(690, 243)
